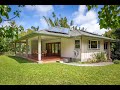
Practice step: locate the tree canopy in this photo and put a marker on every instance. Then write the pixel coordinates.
(58, 21)
(109, 16)
(5, 10)
(115, 47)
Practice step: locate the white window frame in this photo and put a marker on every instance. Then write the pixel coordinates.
(89, 45)
(77, 44)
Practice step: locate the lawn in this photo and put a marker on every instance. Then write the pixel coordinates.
(14, 70)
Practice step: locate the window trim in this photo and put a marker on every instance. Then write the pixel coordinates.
(89, 44)
(77, 44)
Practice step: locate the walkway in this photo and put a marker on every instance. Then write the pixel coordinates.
(93, 64)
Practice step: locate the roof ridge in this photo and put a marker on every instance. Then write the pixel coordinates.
(91, 33)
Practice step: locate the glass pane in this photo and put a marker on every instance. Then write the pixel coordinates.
(89, 41)
(56, 48)
(93, 44)
(49, 48)
(98, 44)
(105, 45)
(77, 43)
(53, 48)
(77, 46)
(89, 46)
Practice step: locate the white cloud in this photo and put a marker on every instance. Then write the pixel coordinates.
(93, 26)
(88, 20)
(41, 9)
(82, 9)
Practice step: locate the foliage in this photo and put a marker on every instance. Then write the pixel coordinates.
(109, 16)
(19, 71)
(5, 10)
(93, 60)
(56, 21)
(35, 28)
(115, 47)
(9, 34)
(116, 62)
(98, 57)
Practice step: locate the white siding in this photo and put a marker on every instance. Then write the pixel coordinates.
(86, 52)
(67, 47)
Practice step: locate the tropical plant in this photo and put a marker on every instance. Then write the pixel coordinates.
(5, 10)
(116, 61)
(9, 34)
(115, 47)
(98, 57)
(35, 28)
(109, 16)
(56, 21)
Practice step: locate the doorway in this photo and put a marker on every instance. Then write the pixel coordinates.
(53, 49)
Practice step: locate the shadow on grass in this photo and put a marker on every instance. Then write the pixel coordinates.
(20, 59)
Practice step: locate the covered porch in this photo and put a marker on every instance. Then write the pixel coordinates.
(40, 48)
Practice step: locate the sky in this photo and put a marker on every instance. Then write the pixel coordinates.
(33, 16)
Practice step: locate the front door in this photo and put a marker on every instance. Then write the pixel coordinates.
(53, 49)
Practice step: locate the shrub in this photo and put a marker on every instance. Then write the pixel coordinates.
(93, 60)
(116, 62)
(98, 57)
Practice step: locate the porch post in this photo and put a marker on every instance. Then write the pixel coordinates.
(26, 47)
(20, 48)
(109, 51)
(39, 49)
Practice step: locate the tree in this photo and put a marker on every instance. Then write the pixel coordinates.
(9, 34)
(109, 16)
(35, 28)
(115, 47)
(56, 21)
(5, 10)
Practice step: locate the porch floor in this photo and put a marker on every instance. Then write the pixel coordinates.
(45, 59)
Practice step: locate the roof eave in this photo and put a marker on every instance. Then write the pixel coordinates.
(98, 37)
(33, 34)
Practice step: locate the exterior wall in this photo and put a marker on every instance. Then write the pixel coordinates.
(67, 47)
(86, 52)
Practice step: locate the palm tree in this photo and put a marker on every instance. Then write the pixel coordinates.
(62, 21)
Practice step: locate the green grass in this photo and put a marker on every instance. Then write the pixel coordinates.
(14, 70)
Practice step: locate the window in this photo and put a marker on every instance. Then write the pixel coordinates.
(77, 43)
(105, 45)
(94, 44)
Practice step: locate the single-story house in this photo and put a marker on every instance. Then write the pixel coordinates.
(63, 43)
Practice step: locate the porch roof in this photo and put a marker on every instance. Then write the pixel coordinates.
(70, 34)
(42, 33)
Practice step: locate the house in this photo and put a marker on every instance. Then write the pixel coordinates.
(63, 43)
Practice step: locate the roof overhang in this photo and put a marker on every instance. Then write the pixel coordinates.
(33, 34)
(101, 37)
